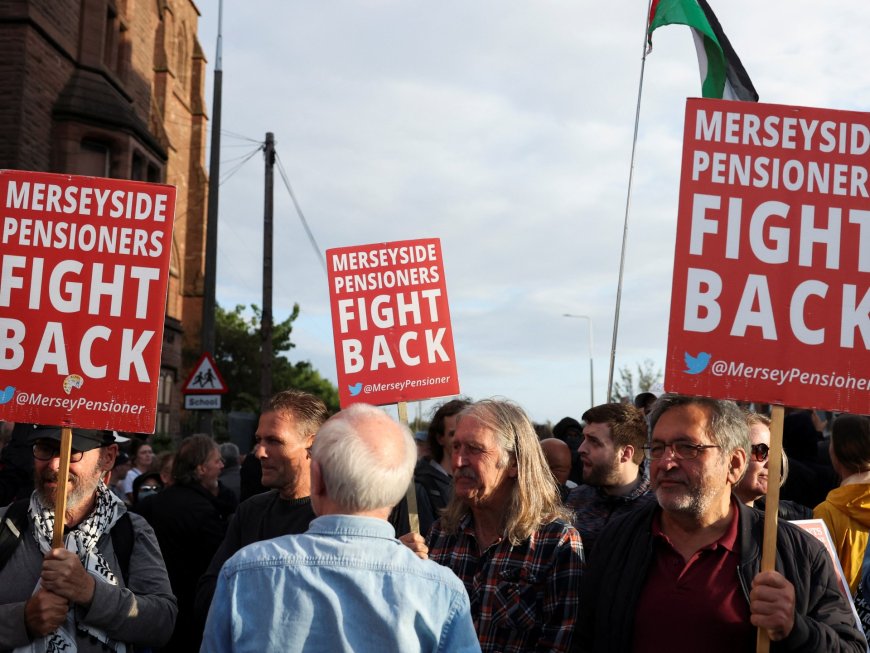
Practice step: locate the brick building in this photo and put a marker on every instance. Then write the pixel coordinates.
(115, 88)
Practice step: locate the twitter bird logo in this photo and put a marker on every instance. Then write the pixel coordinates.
(696, 364)
(6, 395)
(355, 389)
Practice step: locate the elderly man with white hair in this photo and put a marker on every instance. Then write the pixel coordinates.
(347, 584)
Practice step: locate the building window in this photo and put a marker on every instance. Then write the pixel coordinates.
(137, 167)
(94, 160)
(181, 58)
(165, 386)
(111, 39)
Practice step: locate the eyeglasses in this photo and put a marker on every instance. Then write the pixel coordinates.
(682, 450)
(759, 452)
(44, 451)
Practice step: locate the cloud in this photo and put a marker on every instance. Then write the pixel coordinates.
(505, 129)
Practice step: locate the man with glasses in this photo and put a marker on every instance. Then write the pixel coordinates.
(89, 595)
(683, 573)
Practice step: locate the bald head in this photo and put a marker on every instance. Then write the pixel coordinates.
(365, 459)
(558, 456)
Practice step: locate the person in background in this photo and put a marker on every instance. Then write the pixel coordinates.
(115, 480)
(421, 439)
(752, 488)
(146, 485)
(346, 585)
(570, 431)
(433, 474)
(163, 465)
(612, 454)
(846, 510)
(558, 457)
(285, 433)
(230, 473)
(190, 519)
(16, 464)
(141, 458)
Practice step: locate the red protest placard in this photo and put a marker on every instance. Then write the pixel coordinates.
(771, 287)
(84, 268)
(391, 322)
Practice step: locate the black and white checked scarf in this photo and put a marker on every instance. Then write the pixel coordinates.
(82, 541)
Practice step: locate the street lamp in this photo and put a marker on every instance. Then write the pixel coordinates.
(591, 374)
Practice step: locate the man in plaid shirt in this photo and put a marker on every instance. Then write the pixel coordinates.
(506, 535)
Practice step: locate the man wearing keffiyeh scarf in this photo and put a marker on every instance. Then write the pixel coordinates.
(78, 599)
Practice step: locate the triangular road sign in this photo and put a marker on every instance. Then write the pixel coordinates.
(205, 378)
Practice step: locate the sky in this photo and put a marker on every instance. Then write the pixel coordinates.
(505, 129)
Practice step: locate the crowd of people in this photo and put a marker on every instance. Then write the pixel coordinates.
(638, 527)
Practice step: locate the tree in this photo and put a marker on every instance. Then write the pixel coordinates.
(237, 354)
(629, 386)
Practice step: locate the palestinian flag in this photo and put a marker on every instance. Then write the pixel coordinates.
(722, 74)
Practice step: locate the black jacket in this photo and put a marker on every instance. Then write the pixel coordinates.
(434, 490)
(618, 567)
(190, 524)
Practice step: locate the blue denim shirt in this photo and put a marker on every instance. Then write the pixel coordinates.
(345, 585)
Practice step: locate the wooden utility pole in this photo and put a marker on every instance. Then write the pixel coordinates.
(266, 319)
(209, 303)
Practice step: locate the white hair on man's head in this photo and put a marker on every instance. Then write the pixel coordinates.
(359, 477)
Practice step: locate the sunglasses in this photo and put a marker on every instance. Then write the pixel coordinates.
(759, 452)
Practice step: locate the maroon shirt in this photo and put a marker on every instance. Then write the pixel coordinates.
(694, 605)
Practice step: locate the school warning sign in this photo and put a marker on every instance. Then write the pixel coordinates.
(84, 269)
(391, 322)
(771, 286)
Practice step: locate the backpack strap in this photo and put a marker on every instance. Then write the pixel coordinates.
(122, 542)
(15, 523)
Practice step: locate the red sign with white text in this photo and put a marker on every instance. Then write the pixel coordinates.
(84, 268)
(391, 322)
(771, 287)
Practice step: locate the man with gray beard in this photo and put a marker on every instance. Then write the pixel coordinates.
(89, 595)
(682, 574)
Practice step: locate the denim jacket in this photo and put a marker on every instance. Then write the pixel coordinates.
(345, 585)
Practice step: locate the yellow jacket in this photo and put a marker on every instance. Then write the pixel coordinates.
(846, 512)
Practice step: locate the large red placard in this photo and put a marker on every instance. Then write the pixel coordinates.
(391, 322)
(84, 269)
(771, 286)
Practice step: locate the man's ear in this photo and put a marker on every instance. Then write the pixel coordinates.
(627, 454)
(318, 487)
(108, 456)
(737, 466)
(512, 471)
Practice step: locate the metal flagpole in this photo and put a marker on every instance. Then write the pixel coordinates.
(627, 210)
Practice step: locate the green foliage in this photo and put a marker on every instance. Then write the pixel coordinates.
(631, 384)
(237, 354)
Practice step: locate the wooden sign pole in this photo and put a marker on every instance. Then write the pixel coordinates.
(771, 506)
(411, 495)
(62, 478)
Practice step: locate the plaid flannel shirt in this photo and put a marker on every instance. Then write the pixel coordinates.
(523, 598)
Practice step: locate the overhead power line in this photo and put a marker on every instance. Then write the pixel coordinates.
(239, 165)
(302, 219)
